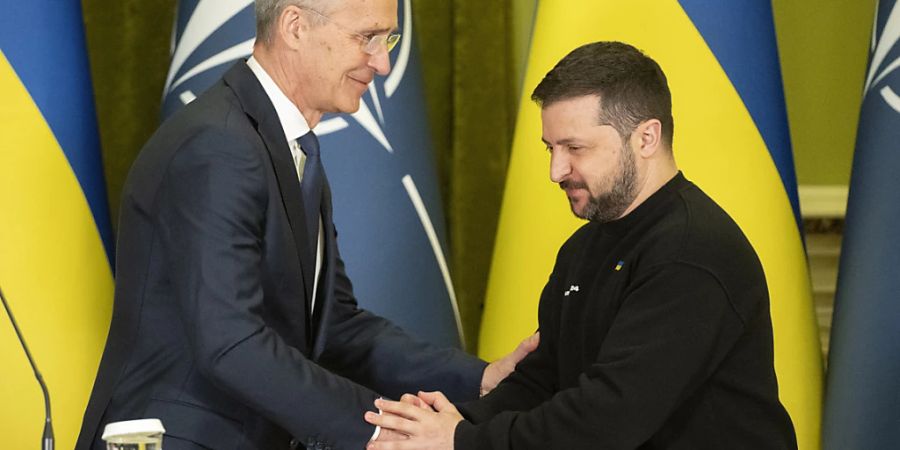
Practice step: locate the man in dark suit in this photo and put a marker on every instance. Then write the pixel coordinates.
(234, 321)
(655, 327)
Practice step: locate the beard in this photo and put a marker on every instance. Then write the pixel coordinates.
(610, 205)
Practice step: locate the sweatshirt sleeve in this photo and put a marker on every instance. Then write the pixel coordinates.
(674, 327)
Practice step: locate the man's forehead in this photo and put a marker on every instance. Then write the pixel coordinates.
(563, 123)
(368, 15)
(586, 100)
(583, 108)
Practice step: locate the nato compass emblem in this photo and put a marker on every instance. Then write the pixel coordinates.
(883, 48)
(208, 37)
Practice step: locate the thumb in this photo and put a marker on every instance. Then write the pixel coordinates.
(437, 400)
(527, 346)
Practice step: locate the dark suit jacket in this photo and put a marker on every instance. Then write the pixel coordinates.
(210, 330)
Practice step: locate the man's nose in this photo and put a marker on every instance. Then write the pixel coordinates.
(559, 166)
(381, 61)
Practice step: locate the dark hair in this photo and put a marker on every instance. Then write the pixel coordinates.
(631, 86)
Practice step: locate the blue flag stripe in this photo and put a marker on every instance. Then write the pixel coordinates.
(741, 35)
(49, 58)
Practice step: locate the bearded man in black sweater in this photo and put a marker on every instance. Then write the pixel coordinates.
(655, 326)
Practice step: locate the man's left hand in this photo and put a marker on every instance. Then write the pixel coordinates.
(498, 370)
(427, 427)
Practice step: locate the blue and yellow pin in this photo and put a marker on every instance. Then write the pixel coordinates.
(619, 265)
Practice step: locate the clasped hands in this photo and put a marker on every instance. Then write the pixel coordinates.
(423, 421)
(428, 420)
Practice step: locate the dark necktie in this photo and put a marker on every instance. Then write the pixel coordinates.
(311, 186)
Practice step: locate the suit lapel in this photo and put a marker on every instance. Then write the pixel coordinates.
(329, 260)
(258, 106)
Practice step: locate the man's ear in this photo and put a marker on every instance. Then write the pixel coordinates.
(291, 25)
(649, 137)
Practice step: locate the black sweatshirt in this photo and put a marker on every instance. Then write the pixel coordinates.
(655, 334)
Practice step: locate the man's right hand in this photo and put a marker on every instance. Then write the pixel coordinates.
(387, 434)
(430, 427)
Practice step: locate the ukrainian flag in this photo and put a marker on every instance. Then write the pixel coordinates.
(731, 138)
(55, 238)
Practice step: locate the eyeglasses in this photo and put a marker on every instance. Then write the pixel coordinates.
(369, 44)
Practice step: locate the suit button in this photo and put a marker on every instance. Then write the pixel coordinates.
(294, 443)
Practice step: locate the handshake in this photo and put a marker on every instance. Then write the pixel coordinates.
(428, 420)
(423, 421)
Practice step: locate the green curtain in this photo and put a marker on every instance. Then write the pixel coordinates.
(469, 73)
(128, 47)
(471, 82)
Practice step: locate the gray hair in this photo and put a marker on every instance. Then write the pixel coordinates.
(267, 12)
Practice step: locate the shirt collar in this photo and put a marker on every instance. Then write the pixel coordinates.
(292, 121)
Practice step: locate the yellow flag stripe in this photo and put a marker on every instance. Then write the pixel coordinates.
(53, 271)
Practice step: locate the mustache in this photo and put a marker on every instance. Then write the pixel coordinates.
(569, 184)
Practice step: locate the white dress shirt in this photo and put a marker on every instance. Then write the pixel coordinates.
(294, 125)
